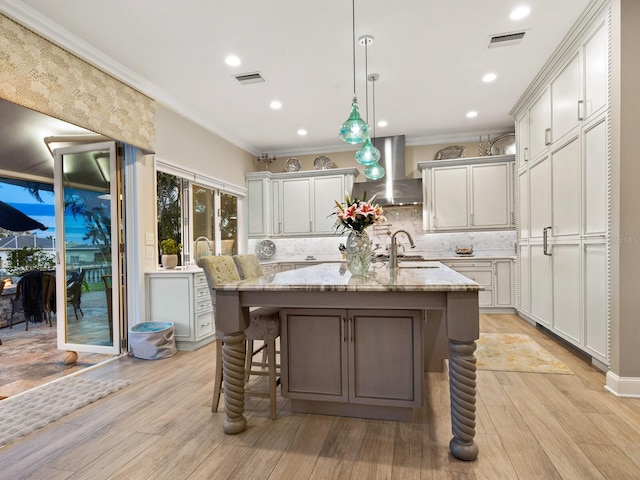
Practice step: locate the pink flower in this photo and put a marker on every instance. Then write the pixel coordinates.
(366, 209)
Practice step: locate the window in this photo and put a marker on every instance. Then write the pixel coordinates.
(189, 208)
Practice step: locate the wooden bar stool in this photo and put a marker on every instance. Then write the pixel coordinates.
(264, 325)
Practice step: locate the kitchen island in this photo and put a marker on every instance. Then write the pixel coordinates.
(422, 286)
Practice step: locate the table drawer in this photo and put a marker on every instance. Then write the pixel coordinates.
(202, 293)
(199, 279)
(204, 324)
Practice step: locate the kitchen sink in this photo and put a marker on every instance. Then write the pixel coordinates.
(401, 258)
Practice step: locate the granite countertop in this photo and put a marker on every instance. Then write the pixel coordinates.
(428, 256)
(415, 276)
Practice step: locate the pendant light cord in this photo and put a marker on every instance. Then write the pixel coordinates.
(373, 94)
(366, 74)
(353, 44)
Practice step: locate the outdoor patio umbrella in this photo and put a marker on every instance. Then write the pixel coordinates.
(13, 219)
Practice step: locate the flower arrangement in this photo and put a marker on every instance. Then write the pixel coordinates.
(356, 215)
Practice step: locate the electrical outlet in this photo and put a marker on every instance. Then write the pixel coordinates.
(148, 239)
(149, 253)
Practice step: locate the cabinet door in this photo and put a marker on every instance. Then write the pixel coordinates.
(296, 206)
(541, 306)
(450, 198)
(566, 290)
(326, 190)
(385, 360)
(314, 355)
(565, 97)
(257, 200)
(595, 300)
(540, 124)
(503, 289)
(595, 179)
(524, 204)
(540, 195)
(490, 205)
(565, 189)
(525, 279)
(522, 126)
(170, 299)
(595, 72)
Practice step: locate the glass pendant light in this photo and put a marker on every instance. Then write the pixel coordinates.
(374, 172)
(368, 154)
(354, 129)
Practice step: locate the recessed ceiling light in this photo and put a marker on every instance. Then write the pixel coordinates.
(382, 123)
(519, 13)
(276, 105)
(232, 61)
(302, 132)
(472, 114)
(489, 77)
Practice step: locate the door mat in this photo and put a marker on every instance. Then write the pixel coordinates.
(23, 413)
(515, 352)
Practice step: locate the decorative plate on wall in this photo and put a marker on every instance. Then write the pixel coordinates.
(292, 165)
(266, 249)
(322, 163)
(452, 151)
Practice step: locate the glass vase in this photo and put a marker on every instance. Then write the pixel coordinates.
(358, 252)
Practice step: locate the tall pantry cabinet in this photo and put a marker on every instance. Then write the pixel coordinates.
(562, 192)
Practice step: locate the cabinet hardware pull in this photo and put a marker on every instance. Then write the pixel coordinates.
(547, 136)
(526, 154)
(545, 241)
(344, 330)
(471, 216)
(311, 226)
(351, 329)
(580, 110)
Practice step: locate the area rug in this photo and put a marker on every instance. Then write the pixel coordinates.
(515, 352)
(26, 412)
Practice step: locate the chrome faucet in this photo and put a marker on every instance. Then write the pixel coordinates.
(393, 256)
(195, 247)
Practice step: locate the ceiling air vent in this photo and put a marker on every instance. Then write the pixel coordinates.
(505, 39)
(248, 78)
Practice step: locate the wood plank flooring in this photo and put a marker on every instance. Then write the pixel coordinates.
(529, 426)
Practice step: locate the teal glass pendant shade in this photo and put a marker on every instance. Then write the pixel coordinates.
(368, 153)
(374, 172)
(354, 130)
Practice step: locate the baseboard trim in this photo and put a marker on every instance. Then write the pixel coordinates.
(623, 386)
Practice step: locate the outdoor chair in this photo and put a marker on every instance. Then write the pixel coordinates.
(28, 299)
(48, 295)
(108, 290)
(74, 292)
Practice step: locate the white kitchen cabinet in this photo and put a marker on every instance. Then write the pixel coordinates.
(182, 297)
(296, 206)
(540, 124)
(594, 162)
(563, 192)
(595, 300)
(540, 284)
(496, 277)
(522, 135)
(566, 200)
(565, 261)
(468, 193)
(566, 100)
(540, 197)
(295, 203)
(450, 198)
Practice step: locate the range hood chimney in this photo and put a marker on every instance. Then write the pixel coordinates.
(394, 188)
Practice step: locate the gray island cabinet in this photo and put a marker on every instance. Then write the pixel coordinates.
(358, 319)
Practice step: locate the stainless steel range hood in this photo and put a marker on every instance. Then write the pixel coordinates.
(394, 188)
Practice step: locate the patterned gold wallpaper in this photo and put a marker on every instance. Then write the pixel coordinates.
(41, 76)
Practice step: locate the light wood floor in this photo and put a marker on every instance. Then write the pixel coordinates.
(528, 426)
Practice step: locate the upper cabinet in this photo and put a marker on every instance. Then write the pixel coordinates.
(468, 193)
(295, 203)
(575, 94)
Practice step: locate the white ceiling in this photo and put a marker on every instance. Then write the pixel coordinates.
(431, 56)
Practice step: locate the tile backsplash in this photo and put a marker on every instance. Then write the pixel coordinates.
(409, 218)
